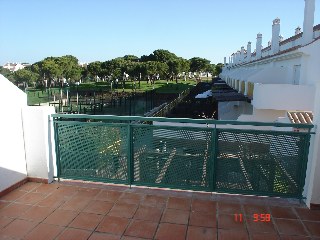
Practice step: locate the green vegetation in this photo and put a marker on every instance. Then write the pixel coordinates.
(161, 64)
(36, 96)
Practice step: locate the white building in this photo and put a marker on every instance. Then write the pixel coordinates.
(283, 78)
(14, 66)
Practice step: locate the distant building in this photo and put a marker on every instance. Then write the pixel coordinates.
(15, 66)
(83, 64)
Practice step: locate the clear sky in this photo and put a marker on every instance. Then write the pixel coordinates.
(91, 30)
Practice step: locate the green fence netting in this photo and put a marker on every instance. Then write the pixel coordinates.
(206, 158)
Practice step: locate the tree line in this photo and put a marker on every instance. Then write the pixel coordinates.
(161, 64)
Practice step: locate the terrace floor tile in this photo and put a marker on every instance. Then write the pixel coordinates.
(4, 221)
(37, 213)
(154, 201)
(123, 210)
(61, 217)
(202, 219)
(175, 216)
(171, 231)
(13, 196)
(130, 198)
(179, 203)
(227, 221)
(232, 234)
(113, 225)
(306, 214)
(87, 221)
(76, 203)
(31, 198)
(14, 210)
(44, 231)
(313, 228)
(104, 236)
(75, 210)
(196, 233)
(74, 234)
(148, 213)
(229, 208)
(203, 206)
(18, 228)
(290, 227)
(283, 212)
(141, 229)
(108, 195)
(98, 207)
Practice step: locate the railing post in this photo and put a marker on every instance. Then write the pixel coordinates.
(56, 140)
(303, 164)
(130, 154)
(213, 158)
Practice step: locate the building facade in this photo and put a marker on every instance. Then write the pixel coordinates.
(282, 78)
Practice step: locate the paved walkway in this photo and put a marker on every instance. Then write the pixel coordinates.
(71, 210)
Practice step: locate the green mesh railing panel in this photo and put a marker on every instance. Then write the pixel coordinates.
(117, 149)
(260, 162)
(176, 158)
(92, 151)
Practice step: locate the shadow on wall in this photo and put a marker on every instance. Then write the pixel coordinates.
(9, 177)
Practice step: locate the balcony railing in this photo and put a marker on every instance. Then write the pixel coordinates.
(207, 157)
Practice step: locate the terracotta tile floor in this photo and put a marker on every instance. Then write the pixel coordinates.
(78, 210)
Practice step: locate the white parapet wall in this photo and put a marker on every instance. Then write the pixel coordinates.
(312, 185)
(39, 142)
(26, 138)
(12, 153)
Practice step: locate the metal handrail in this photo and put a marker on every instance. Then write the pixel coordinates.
(179, 120)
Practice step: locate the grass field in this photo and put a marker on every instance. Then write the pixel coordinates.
(36, 96)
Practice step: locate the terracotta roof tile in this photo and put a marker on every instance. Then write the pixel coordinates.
(290, 39)
(266, 49)
(316, 28)
(300, 117)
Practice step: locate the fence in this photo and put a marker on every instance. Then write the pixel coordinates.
(209, 157)
(167, 108)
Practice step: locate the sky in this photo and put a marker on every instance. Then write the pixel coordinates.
(100, 30)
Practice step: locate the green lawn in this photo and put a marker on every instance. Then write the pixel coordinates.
(36, 96)
(160, 86)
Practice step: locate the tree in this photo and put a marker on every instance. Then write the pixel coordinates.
(26, 77)
(162, 55)
(199, 64)
(7, 73)
(69, 67)
(84, 74)
(94, 69)
(51, 70)
(131, 58)
(178, 66)
(219, 67)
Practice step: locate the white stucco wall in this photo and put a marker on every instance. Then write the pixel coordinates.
(310, 70)
(270, 75)
(12, 153)
(312, 185)
(39, 143)
(283, 97)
